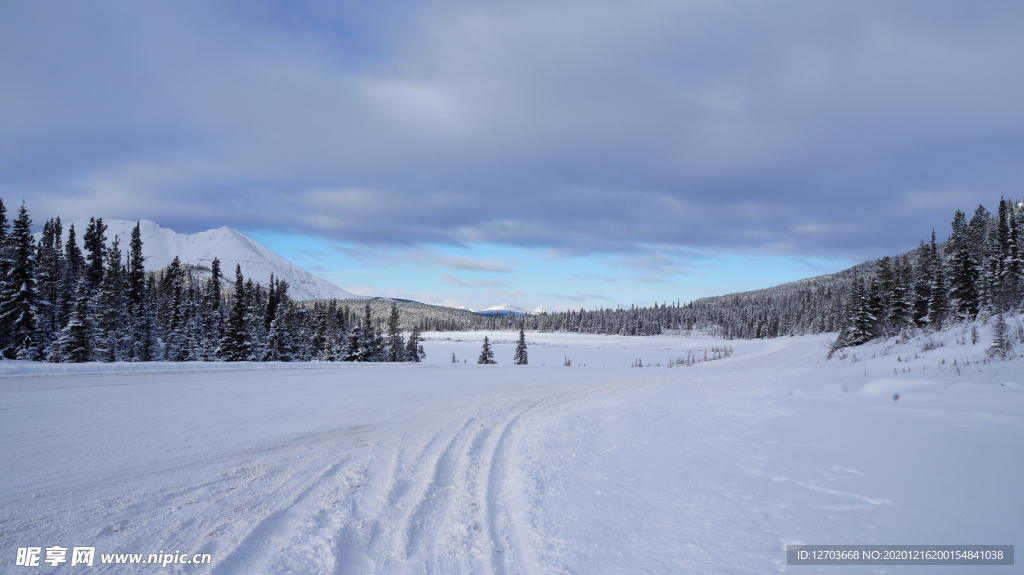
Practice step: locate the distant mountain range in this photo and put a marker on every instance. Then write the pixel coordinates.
(160, 245)
(508, 309)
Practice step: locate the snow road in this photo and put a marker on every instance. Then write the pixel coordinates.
(442, 468)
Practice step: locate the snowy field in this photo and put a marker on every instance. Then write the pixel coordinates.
(590, 469)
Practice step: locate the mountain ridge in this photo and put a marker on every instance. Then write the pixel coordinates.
(160, 245)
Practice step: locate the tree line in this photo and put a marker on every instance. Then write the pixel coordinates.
(62, 303)
(976, 273)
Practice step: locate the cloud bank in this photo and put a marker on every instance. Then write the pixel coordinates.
(805, 128)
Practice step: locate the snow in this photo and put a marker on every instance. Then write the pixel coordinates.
(160, 245)
(442, 468)
(494, 310)
(506, 307)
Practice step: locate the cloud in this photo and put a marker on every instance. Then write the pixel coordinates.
(492, 283)
(810, 128)
(577, 298)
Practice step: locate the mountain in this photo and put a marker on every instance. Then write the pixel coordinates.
(160, 245)
(508, 309)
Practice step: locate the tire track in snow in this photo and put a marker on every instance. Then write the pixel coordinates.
(273, 526)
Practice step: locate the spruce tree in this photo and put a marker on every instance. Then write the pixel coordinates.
(413, 347)
(395, 343)
(5, 268)
(938, 305)
(1001, 343)
(18, 296)
(73, 343)
(94, 243)
(365, 345)
(50, 297)
(860, 322)
(279, 344)
(70, 275)
(901, 308)
(922, 285)
(486, 353)
(235, 345)
(963, 271)
(113, 340)
(520, 355)
(213, 311)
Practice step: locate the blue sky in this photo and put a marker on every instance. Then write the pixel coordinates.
(479, 276)
(557, 153)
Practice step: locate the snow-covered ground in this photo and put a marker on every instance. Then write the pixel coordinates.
(442, 468)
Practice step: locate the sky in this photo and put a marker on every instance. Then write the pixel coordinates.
(562, 154)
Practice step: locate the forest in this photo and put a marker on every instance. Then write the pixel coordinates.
(63, 303)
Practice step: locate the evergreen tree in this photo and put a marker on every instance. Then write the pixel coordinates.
(901, 308)
(365, 345)
(1001, 343)
(279, 345)
(213, 311)
(5, 268)
(938, 305)
(235, 345)
(73, 343)
(18, 296)
(520, 357)
(70, 275)
(963, 271)
(395, 345)
(860, 322)
(413, 347)
(923, 274)
(139, 323)
(94, 242)
(112, 339)
(50, 297)
(486, 353)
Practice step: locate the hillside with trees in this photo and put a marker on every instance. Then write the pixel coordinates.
(63, 303)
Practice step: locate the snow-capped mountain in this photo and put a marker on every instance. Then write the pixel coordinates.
(160, 245)
(506, 309)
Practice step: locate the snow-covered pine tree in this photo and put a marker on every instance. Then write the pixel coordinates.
(5, 268)
(901, 304)
(1001, 343)
(235, 345)
(366, 348)
(279, 345)
(174, 315)
(70, 275)
(486, 353)
(963, 295)
(94, 243)
(413, 347)
(140, 321)
(860, 323)
(923, 272)
(213, 312)
(521, 357)
(256, 305)
(18, 295)
(395, 343)
(938, 305)
(49, 297)
(113, 340)
(73, 343)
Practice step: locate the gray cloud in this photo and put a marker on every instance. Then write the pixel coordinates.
(820, 129)
(491, 283)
